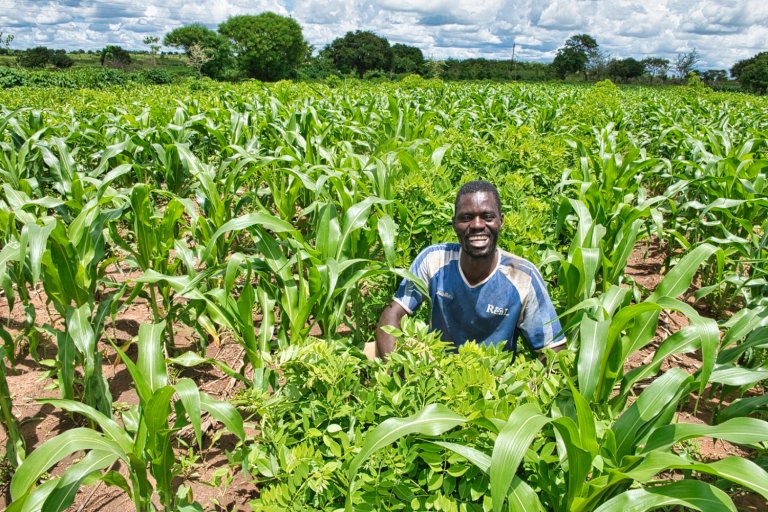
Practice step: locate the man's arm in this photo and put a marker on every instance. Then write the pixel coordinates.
(392, 315)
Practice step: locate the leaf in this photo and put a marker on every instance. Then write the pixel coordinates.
(688, 493)
(64, 493)
(737, 375)
(433, 420)
(388, 233)
(151, 362)
(191, 359)
(264, 220)
(592, 352)
(510, 446)
(679, 278)
(473, 455)
(109, 426)
(37, 237)
(735, 469)
(190, 397)
(654, 400)
(736, 430)
(56, 449)
(225, 413)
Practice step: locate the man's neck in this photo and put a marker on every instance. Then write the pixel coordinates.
(475, 269)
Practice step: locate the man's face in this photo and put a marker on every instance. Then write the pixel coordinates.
(477, 223)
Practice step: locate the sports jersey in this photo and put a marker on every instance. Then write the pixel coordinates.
(513, 300)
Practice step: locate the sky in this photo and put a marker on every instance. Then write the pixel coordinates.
(723, 32)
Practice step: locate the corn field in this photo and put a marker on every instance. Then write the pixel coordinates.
(279, 219)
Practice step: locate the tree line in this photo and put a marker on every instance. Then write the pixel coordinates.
(271, 47)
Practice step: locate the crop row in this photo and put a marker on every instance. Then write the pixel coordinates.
(263, 213)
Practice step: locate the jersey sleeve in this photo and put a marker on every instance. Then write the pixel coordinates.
(538, 321)
(407, 294)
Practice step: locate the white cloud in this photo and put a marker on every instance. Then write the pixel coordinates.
(723, 31)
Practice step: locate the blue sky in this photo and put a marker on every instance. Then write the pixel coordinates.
(723, 32)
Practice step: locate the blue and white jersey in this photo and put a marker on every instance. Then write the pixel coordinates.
(513, 300)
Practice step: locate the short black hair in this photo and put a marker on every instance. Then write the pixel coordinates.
(472, 187)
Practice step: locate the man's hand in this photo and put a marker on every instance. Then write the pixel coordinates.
(392, 315)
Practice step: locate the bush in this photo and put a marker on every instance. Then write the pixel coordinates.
(10, 77)
(156, 76)
(61, 60)
(376, 75)
(35, 58)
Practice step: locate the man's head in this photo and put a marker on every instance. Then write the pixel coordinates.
(477, 218)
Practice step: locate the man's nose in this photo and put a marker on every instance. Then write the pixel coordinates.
(477, 222)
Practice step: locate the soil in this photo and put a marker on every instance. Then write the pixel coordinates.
(212, 484)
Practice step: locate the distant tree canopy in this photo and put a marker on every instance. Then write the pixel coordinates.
(685, 63)
(752, 73)
(577, 54)
(115, 57)
(407, 59)
(656, 67)
(360, 51)
(202, 44)
(267, 46)
(625, 69)
(41, 56)
(485, 69)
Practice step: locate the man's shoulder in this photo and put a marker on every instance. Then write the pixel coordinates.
(518, 270)
(515, 262)
(436, 257)
(443, 250)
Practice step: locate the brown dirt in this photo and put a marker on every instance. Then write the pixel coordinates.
(215, 488)
(646, 268)
(29, 380)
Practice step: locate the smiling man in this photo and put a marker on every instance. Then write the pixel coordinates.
(478, 291)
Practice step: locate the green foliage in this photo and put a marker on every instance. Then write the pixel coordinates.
(578, 52)
(407, 59)
(115, 57)
(256, 212)
(752, 73)
(360, 51)
(198, 37)
(314, 428)
(625, 69)
(37, 57)
(268, 46)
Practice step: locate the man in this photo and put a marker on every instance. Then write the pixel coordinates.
(478, 292)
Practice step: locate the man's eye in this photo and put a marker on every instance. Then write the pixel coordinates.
(489, 217)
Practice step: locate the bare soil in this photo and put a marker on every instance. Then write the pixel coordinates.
(215, 484)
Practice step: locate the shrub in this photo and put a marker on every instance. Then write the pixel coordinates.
(156, 76)
(10, 77)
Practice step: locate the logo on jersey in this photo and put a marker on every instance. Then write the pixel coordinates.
(444, 294)
(495, 310)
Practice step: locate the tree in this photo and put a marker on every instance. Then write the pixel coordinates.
(204, 40)
(752, 73)
(115, 57)
(569, 60)
(5, 43)
(38, 57)
(625, 69)
(360, 51)
(268, 46)
(685, 62)
(60, 60)
(656, 67)
(198, 56)
(154, 48)
(579, 54)
(407, 59)
(714, 75)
